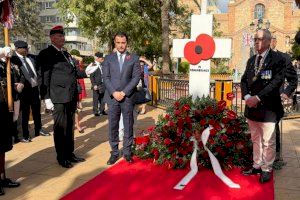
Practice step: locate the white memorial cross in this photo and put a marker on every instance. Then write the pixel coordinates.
(199, 77)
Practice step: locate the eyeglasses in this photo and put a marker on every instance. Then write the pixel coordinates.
(259, 39)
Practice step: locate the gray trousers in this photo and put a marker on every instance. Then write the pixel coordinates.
(114, 111)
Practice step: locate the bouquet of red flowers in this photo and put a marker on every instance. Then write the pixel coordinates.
(169, 142)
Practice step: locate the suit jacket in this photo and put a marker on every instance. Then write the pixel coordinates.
(290, 75)
(25, 75)
(97, 79)
(267, 89)
(125, 80)
(59, 75)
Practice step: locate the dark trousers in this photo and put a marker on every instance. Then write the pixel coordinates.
(98, 103)
(277, 133)
(114, 111)
(30, 99)
(63, 115)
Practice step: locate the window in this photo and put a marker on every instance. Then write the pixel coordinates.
(287, 41)
(259, 11)
(48, 18)
(47, 5)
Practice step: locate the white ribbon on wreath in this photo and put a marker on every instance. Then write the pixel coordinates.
(214, 162)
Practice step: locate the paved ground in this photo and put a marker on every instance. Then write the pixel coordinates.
(35, 166)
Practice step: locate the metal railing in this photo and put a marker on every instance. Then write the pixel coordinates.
(170, 90)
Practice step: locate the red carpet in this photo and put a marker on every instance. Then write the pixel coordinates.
(144, 180)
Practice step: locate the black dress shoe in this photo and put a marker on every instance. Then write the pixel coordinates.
(264, 177)
(128, 158)
(96, 114)
(103, 113)
(112, 160)
(65, 164)
(76, 159)
(252, 171)
(8, 183)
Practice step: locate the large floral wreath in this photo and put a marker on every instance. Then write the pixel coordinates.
(169, 142)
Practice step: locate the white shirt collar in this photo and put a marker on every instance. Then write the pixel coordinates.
(56, 48)
(263, 54)
(19, 55)
(118, 53)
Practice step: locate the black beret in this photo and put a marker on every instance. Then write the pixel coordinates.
(57, 29)
(20, 44)
(99, 55)
(297, 37)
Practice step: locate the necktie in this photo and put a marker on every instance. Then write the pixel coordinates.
(31, 74)
(121, 62)
(257, 67)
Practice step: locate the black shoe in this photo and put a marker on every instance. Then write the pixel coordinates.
(8, 183)
(112, 160)
(26, 140)
(76, 159)
(65, 164)
(103, 113)
(265, 177)
(96, 114)
(252, 171)
(128, 158)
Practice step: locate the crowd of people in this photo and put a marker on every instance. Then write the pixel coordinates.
(56, 77)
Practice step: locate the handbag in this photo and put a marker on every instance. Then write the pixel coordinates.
(143, 96)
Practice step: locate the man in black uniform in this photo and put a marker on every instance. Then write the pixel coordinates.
(260, 85)
(292, 82)
(98, 86)
(6, 123)
(30, 96)
(59, 89)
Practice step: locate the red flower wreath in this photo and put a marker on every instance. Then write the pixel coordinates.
(201, 49)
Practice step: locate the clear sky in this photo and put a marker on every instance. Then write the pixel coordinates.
(223, 5)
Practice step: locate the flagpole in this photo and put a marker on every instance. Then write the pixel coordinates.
(8, 73)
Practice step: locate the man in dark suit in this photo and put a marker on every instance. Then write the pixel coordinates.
(30, 96)
(292, 82)
(121, 75)
(260, 84)
(59, 89)
(98, 86)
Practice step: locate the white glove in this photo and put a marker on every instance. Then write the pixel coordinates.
(90, 69)
(49, 104)
(16, 110)
(5, 52)
(19, 87)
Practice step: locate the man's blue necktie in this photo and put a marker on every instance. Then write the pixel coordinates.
(121, 62)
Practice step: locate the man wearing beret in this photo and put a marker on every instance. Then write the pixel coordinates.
(59, 89)
(30, 96)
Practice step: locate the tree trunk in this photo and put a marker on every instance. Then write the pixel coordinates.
(165, 36)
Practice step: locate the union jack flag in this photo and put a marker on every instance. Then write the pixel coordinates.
(248, 40)
(6, 13)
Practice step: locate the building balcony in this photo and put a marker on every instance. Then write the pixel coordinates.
(73, 38)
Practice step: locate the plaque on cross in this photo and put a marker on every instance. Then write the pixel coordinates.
(199, 76)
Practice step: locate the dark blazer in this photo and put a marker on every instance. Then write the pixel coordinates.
(290, 75)
(269, 108)
(58, 75)
(126, 80)
(97, 79)
(25, 75)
